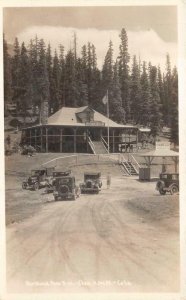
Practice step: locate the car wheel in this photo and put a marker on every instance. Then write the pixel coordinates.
(24, 185)
(36, 186)
(174, 190)
(162, 192)
(160, 185)
(55, 198)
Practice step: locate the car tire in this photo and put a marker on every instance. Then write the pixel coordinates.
(162, 192)
(36, 186)
(160, 185)
(55, 198)
(174, 189)
(24, 185)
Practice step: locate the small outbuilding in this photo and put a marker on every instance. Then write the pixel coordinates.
(164, 152)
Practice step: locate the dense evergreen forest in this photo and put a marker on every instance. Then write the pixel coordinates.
(139, 92)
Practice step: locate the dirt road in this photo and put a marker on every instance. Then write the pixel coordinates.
(115, 241)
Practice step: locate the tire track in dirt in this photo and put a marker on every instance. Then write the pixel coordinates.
(35, 228)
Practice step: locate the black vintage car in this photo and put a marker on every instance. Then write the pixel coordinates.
(65, 188)
(50, 187)
(168, 182)
(92, 183)
(39, 178)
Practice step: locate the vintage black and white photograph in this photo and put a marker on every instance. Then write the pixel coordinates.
(91, 149)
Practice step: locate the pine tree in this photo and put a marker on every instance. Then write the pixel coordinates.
(25, 89)
(107, 76)
(55, 83)
(93, 77)
(33, 58)
(117, 112)
(107, 71)
(96, 82)
(49, 71)
(110, 83)
(75, 47)
(62, 75)
(146, 98)
(168, 92)
(124, 59)
(7, 73)
(84, 62)
(16, 73)
(70, 89)
(89, 72)
(174, 108)
(43, 82)
(135, 94)
(82, 91)
(161, 92)
(155, 110)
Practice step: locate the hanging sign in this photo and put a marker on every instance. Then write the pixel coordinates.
(95, 123)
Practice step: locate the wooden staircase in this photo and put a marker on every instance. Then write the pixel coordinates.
(129, 168)
(99, 147)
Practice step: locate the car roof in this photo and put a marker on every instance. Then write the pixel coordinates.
(169, 173)
(42, 169)
(64, 177)
(92, 173)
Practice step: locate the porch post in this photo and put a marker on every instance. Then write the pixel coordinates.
(30, 136)
(61, 140)
(113, 140)
(100, 133)
(175, 159)
(41, 138)
(137, 138)
(46, 139)
(75, 140)
(35, 137)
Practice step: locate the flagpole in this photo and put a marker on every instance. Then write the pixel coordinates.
(108, 129)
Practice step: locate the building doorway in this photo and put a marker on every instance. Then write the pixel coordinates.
(95, 133)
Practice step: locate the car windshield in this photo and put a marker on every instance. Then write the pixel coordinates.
(163, 176)
(64, 181)
(170, 176)
(91, 176)
(37, 172)
(175, 176)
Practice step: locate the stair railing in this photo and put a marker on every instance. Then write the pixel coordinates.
(91, 145)
(105, 144)
(125, 164)
(135, 163)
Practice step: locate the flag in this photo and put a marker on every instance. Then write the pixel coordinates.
(105, 99)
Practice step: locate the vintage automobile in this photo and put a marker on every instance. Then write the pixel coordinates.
(168, 182)
(50, 187)
(92, 183)
(65, 188)
(39, 178)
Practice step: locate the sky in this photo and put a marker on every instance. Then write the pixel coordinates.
(151, 30)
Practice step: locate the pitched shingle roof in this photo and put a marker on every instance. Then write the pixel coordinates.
(67, 116)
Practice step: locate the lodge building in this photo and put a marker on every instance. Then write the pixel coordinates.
(80, 130)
